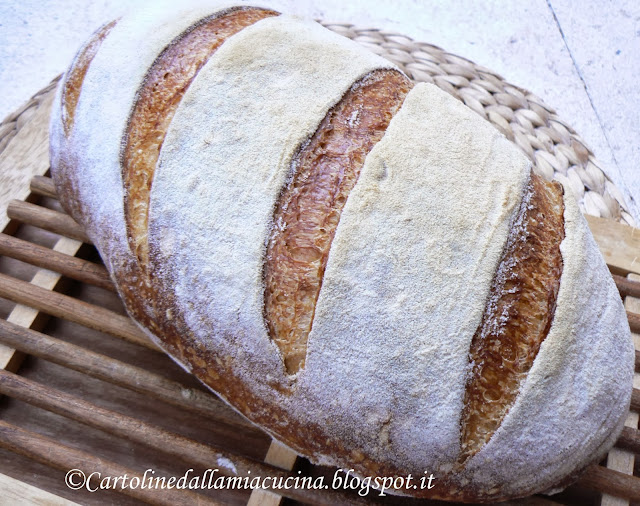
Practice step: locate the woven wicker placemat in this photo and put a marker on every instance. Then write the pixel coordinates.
(555, 149)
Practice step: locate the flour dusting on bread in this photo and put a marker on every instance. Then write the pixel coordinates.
(380, 384)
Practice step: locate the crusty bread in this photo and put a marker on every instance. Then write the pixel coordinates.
(363, 267)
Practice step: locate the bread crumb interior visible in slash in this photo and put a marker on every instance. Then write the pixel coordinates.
(518, 314)
(157, 101)
(73, 80)
(308, 210)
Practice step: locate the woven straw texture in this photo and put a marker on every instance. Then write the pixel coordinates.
(555, 149)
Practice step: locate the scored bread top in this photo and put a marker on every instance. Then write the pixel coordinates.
(109, 90)
(408, 273)
(229, 149)
(309, 207)
(156, 102)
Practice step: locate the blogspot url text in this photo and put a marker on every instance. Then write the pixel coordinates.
(211, 479)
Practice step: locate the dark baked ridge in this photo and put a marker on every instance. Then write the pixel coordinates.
(156, 103)
(77, 72)
(308, 210)
(518, 314)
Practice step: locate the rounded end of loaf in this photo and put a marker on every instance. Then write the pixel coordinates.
(572, 405)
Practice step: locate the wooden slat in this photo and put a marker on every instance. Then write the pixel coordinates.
(628, 287)
(119, 373)
(135, 430)
(282, 457)
(634, 321)
(629, 439)
(19, 492)
(49, 452)
(622, 458)
(260, 497)
(46, 219)
(619, 244)
(611, 482)
(635, 400)
(74, 310)
(46, 258)
(42, 185)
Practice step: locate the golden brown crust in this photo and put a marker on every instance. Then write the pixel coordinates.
(73, 81)
(63, 160)
(308, 210)
(157, 100)
(518, 315)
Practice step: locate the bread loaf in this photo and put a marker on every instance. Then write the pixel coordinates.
(363, 267)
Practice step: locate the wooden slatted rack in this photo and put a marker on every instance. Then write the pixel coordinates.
(82, 387)
(83, 336)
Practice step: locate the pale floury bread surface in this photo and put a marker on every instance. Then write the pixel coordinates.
(407, 279)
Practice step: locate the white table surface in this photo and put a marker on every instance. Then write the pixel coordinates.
(581, 58)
